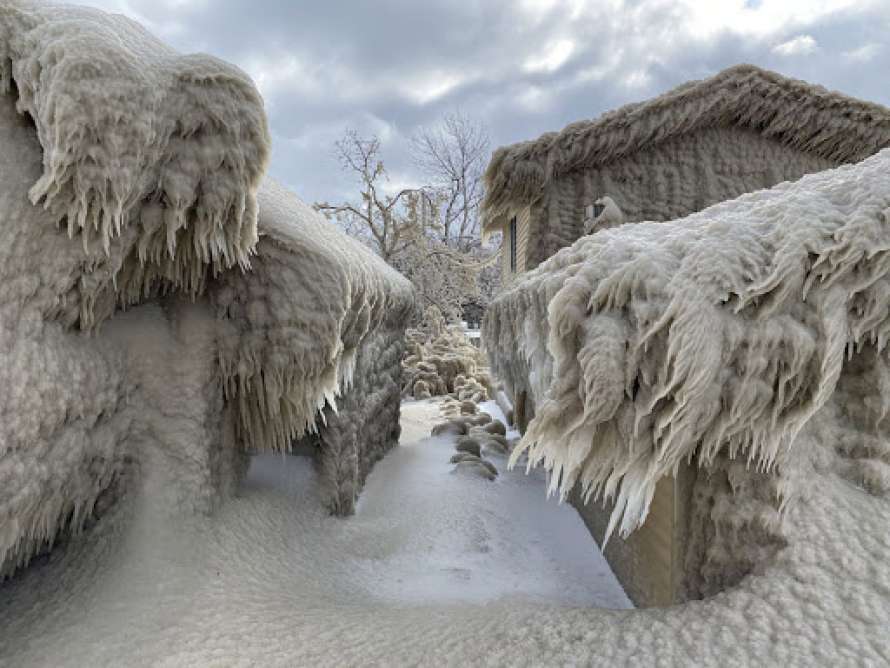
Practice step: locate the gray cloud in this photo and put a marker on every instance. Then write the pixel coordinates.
(521, 67)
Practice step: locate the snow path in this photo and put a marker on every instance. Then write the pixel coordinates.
(445, 537)
(270, 578)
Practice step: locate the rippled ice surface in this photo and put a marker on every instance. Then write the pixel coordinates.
(271, 578)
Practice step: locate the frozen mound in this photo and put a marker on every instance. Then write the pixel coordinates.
(477, 436)
(443, 362)
(130, 181)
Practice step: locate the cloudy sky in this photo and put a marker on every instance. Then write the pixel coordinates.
(521, 67)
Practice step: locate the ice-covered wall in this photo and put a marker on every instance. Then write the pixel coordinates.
(366, 424)
(669, 180)
(799, 115)
(161, 313)
(713, 339)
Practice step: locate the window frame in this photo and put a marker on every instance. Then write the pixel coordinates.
(512, 231)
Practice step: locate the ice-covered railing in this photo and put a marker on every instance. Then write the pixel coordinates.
(657, 343)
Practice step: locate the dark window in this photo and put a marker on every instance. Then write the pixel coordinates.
(513, 244)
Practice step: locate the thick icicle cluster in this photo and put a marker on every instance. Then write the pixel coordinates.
(312, 297)
(718, 334)
(149, 155)
(129, 177)
(365, 424)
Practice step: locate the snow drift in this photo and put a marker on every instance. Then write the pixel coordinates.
(131, 178)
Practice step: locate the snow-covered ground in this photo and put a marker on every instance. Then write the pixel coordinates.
(270, 578)
(445, 537)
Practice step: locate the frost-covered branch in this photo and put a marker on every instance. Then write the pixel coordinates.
(453, 157)
(381, 218)
(415, 229)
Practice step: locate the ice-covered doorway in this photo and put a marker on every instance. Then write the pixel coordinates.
(271, 578)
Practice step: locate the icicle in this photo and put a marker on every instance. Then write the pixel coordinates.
(738, 379)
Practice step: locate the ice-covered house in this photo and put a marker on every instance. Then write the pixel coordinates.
(702, 143)
(165, 308)
(750, 337)
(750, 340)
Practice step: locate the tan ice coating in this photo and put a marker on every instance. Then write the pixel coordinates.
(750, 337)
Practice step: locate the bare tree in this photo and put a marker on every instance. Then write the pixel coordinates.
(453, 157)
(442, 276)
(430, 234)
(389, 223)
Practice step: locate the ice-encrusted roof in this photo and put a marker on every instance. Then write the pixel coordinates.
(321, 294)
(140, 177)
(805, 116)
(137, 139)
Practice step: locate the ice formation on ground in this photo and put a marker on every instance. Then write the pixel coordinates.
(271, 579)
(478, 436)
(440, 360)
(131, 179)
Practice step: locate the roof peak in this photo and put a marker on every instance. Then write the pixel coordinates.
(807, 116)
